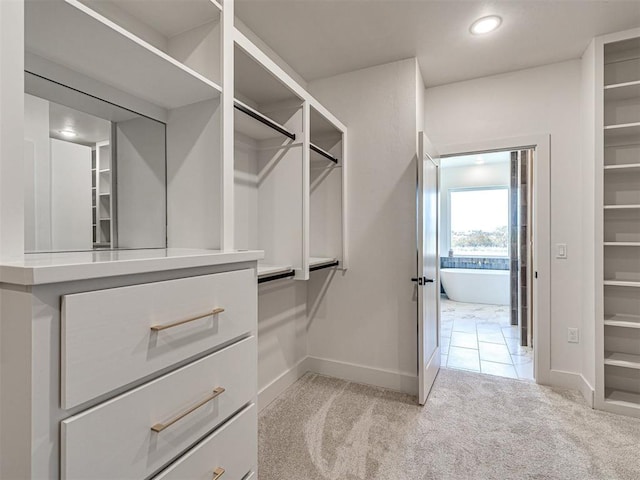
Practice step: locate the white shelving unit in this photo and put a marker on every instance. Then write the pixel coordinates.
(269, 204)
(168, 42)
(104, 212)
(326, 193)
(618, 377)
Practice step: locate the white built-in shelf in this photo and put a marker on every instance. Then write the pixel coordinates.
(265, 270)
(622, 320)
(165, 18)
(625, 360)
(105, 194)
(621, 207)
(256, 125)
(624, 168)
(622, 244)
(53, 30)
(105, 219)
(622, 91)
(615, 132)
(622, 283)
(105, 170)
(318, 263)
(622, 398)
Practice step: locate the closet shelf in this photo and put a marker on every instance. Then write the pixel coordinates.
(622, 398)
(323, 153)
(621, 283)
(622, 91)
(267, 273)
(177, 84)
(612, 132)
(630, 167)
(622, 320)
(621, 207)
(625, 360)
(318, 263)
(264, 129)
(622, 244)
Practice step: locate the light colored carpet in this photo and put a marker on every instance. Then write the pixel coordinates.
(473, 427)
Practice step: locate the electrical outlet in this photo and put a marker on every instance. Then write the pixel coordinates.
(574, 335)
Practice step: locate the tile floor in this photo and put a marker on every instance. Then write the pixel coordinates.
(480, 338)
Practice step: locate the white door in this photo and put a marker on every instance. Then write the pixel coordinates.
(428, 271)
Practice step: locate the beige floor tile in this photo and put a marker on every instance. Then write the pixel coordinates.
(466, 340)
(493, 352)
(499, 369)
(464, 358)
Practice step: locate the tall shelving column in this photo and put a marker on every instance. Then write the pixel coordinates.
(621, 226)
(327, 246)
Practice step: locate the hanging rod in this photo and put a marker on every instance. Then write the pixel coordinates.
(263, 119)
(324, 265)
(324, 153)
(276, 276)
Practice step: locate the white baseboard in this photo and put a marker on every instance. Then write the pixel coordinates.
(269, 393)
(397, 381)
(575, 381)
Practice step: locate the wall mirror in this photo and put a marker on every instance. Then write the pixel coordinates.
(95, 173)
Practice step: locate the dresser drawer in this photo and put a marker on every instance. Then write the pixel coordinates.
(116, 336)
(230, 453)
(135, 434)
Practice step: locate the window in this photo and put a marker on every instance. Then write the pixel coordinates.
(479, 222)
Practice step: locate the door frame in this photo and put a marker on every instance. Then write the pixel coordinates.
(542, 234)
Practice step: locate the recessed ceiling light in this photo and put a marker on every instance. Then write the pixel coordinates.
(480, 161)
(67, 133)
(485, 25)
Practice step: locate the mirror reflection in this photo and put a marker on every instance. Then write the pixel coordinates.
(95, 173)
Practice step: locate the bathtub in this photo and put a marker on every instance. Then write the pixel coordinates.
(476, 285)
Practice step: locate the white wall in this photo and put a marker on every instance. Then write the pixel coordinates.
(37, 174)
(193, 175)
(367, 316)
(141, 183)
(282, 336)
(542, 100)
(71, 217)
(489, 175)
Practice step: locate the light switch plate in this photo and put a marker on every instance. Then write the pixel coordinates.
(561, 250)
(573, 335)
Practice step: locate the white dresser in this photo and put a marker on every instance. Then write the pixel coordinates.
(129, 365)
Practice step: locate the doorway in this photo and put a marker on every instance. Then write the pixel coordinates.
(486, 265)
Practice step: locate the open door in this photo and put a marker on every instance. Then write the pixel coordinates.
(428, 271)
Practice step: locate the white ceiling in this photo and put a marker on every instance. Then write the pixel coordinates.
(322, 38)
(486, 158)
(89, 129)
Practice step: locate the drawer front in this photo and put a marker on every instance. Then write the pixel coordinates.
(230, 453)
(107, 335)
(118, 438)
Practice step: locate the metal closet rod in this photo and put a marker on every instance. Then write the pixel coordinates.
(277, 276)
(324, 153)
(324, 265)
(264, 120)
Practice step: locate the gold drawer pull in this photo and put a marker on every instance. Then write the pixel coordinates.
(158, 328)
(158, 427)
(217, 473)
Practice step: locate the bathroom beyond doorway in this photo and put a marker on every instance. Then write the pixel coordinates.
(486, 243)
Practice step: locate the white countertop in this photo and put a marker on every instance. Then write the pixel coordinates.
(41, 268)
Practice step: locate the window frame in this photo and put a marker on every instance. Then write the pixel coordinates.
(450, 215)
